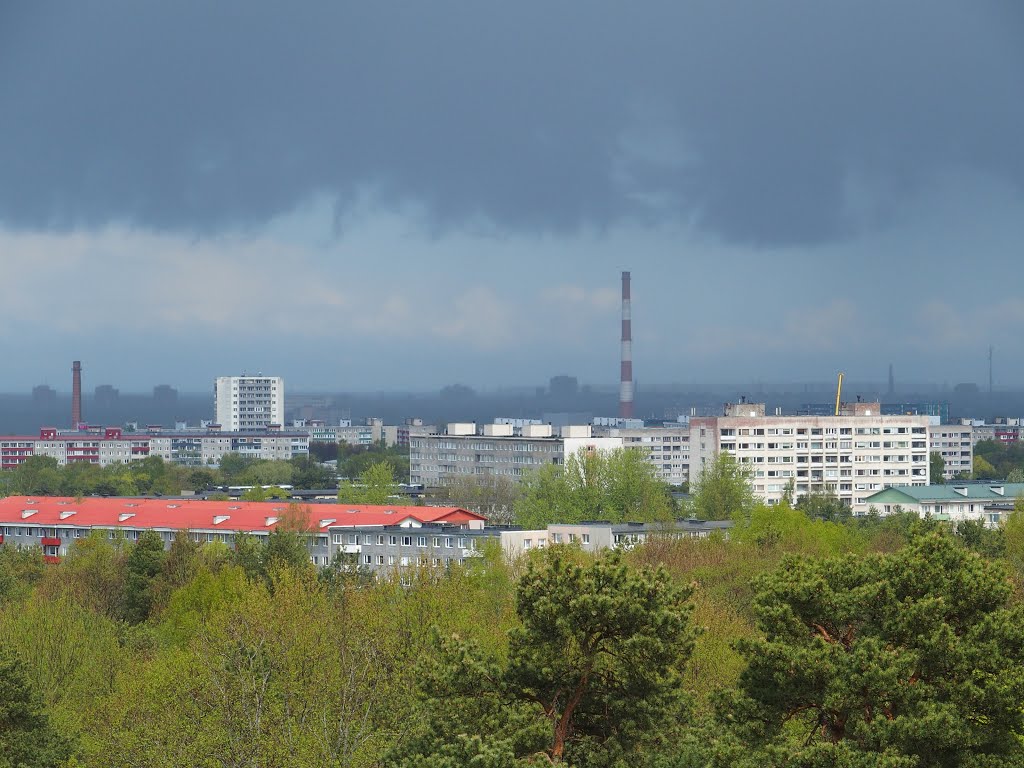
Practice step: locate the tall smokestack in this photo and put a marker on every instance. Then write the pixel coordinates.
(76, 394)
(626, 373)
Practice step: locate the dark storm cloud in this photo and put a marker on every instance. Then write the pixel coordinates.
(782, 122)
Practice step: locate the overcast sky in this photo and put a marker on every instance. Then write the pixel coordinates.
(396, 195)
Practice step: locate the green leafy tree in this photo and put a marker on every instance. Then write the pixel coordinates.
(722, 490)
(617, 486)
(27, 738)
(376, 486)
(884, 660)
(143, 565)
(591, 676)
(936, 468)
(824, 505)
(983, 469)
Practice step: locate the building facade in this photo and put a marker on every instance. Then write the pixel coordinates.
(853, 455)
(248, 403)
(954, 442)
(114, 446)
(956, 502)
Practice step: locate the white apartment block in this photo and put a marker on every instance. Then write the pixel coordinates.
(954, 442)
(249, 403)
(854, 455)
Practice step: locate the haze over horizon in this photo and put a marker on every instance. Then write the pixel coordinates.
(393, 197)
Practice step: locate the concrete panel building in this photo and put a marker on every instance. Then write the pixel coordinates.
(248, 403)
(854, 454)
(954, 442)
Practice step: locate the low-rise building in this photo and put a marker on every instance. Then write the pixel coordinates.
(988, 502)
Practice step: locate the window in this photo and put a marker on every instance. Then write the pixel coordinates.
(421, 541)
(407, 541)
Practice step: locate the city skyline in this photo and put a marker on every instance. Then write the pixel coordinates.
(367, 200)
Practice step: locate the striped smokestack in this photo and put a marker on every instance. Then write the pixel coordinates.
(76, 394)
(626, 373)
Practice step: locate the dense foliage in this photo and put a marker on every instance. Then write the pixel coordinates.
(798, 640)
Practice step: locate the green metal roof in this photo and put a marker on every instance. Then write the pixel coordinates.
(950, 492)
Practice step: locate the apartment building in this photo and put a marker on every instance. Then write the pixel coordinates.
(855, 454)
(112, 445)
(248, 403)
(208, 447)
(496, 450)
(954, 442)
(56, 523)
(109, 446)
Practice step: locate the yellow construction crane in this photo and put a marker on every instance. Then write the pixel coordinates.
(839, 392)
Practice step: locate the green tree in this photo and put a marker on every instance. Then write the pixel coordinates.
(722, 490)
(143, 565)
(884, 659)
(376, 486)
(591, 676)
(983, 470)
(617, 486)
(936, 468)
(27, 739)
(824, 505)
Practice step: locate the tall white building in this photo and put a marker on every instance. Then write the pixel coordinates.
(854, 455)
(249, 403)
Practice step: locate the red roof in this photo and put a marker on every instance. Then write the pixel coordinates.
(192, 514)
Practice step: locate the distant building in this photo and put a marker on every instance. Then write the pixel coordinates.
(512, 447)
(44, 396)
(499, 450)
(249, 403)
(563, 386)
(105, 396)
(112, 445)
(165, 395)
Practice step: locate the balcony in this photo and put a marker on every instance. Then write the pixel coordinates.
(49, 541)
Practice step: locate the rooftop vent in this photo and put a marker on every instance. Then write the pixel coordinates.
(125, 516)
(961, 489)
(998, 490)
(66, 514)
(218, 519)
(27, 513)
(270, 521)
(173, 506)
(327, 521)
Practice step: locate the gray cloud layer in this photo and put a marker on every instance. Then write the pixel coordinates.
(768, 123)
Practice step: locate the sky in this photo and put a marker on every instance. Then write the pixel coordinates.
(398, 196)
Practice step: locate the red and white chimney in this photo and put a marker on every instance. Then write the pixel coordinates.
(626, 371)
